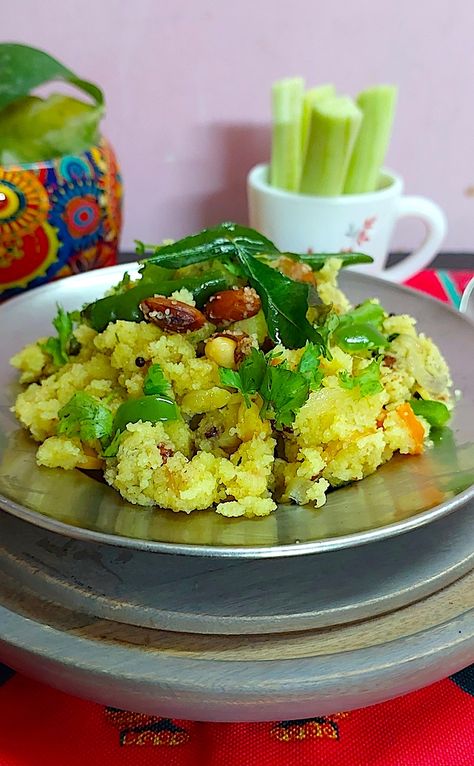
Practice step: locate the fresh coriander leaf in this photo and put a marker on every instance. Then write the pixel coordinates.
(309, 366)
(284, 303)
(123, 285)
(112, 448)
(65, 343)
(283, 392)
(86, 417)
(155, 381)
(249, 377)
(53, 347)
(368, 381)
(326, 329)
(232, 379)
(252, 371)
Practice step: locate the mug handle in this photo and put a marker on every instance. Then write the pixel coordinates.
(436, 226)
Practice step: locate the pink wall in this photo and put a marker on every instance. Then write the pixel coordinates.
(187, 85)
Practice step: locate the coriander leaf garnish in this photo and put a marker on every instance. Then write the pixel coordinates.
(309, 366)
(368, 381)
(249, 377)
(112, 449)
(85, 417)
(283, 392)
(155, 381)
(60, 347)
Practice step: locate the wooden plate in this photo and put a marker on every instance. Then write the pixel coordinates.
(238, 677)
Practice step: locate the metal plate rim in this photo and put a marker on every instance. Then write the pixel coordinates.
(282, 551)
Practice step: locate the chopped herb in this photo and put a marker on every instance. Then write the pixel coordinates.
(112, 449)
(85, 417)
(309, 366)
(64, 344)
(283, 392)
(123, 285)
(368, 381)
(250, 376)
(155, 381)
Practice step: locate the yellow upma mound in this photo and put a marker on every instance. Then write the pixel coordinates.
(224, 450)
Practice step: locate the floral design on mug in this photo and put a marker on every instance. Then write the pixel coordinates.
(360, 235)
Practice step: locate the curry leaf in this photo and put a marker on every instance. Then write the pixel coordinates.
(284, 303)
(317, 260)
(227, 240)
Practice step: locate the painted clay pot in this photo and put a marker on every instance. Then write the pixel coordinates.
(58, 217)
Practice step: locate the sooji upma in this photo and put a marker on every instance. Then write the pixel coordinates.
(231, 376)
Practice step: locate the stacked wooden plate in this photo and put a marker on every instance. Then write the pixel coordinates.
(299, 614)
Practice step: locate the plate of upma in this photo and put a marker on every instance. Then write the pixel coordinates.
(219, 397)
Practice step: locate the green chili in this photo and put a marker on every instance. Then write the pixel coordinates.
(436, 413)
(126, 305)
(368, 311)
(359, 336)
(155, 408)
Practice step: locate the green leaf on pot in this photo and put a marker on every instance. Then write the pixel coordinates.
(22, 69)
(34, 129)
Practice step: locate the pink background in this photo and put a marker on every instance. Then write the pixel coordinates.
(187, 85)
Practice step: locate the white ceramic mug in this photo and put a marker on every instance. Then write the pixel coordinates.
(351, 222)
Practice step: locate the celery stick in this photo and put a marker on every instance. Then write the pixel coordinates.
(378, 109)
(332, 133)
(287, 107)
(311, 97)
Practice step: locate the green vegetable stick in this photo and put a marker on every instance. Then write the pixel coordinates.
(332, 133)
(287, 107)
(311, 97)
(378, 109)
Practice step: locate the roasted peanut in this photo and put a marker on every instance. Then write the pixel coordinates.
(171, 315)
(221, 350)
(232, 305)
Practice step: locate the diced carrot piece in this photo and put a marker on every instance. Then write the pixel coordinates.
(414, 427)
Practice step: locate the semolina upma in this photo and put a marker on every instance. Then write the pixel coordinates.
(231, 376)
